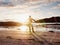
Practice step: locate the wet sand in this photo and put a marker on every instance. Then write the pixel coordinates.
(51, 37)
(16, 37)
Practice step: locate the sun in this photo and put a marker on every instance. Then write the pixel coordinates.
(21, 18)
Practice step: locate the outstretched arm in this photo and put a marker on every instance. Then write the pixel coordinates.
(34, 20)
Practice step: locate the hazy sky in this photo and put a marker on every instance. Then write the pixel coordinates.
(13, 9)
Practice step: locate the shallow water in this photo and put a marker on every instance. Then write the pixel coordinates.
(38, 27)
(43, 27)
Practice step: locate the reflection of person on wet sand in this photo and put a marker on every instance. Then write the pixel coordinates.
(30, 20)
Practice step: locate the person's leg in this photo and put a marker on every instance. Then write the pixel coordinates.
(32, 28)
(29, 28)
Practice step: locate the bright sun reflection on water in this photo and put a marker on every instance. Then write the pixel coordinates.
(23, 28)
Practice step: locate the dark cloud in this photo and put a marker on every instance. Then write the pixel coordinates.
(6, 4)
(23, 2)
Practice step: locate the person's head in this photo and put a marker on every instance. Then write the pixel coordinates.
(29, 16)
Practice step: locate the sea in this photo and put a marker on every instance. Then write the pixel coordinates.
(44, 27)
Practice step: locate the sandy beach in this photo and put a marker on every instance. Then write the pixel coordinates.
(15, 37)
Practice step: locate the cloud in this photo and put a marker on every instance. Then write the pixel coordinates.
(50, 13)
(44, 1)
(22, 2)
(29, 7)
(56, 7)
(51, 1)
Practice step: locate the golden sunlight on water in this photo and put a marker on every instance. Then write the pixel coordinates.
(24, 28)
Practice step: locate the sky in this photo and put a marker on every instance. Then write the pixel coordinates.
(21, 9)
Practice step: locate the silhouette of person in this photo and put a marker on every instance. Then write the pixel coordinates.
(30, 20)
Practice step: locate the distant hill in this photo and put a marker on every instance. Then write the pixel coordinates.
(48, 20)
(10, 24)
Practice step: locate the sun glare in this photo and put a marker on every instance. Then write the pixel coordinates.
(22, 18)
(23, 28)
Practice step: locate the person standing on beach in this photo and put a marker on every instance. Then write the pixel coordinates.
(30, 20)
